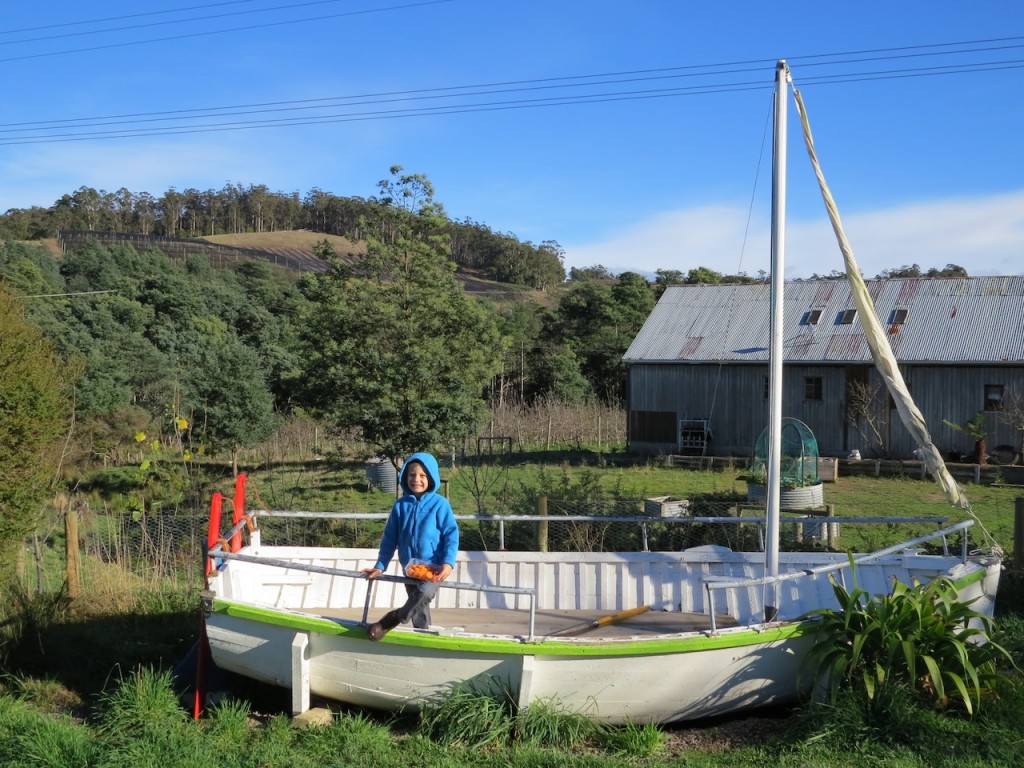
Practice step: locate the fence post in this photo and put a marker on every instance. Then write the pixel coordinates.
(71, 550)
(542, 525)
(1018, 532)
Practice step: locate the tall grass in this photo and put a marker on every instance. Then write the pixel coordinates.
(102, 658)
(137, 723)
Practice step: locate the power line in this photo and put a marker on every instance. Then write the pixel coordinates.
(208, 33)
(123, 17)
(566, 90)
(65, 295)
(134, 125)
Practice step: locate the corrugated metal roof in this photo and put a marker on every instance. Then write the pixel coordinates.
(955, 320)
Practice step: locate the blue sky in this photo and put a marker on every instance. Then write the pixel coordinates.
(633, 134)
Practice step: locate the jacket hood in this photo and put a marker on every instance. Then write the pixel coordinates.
(429, 463)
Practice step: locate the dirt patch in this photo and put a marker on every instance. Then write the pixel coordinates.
(720, 735)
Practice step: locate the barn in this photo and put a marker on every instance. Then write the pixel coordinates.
(698, 368)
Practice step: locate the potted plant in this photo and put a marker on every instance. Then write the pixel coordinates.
(977, 430)
(795, 491)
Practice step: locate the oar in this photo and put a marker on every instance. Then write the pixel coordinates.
(586, 626)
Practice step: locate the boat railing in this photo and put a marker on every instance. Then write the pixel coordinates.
(222, 551)
(713, 584)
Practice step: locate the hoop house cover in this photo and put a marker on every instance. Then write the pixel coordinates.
(799, 465)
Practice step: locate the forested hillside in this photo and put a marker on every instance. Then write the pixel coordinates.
(385, 344)
(238, 209)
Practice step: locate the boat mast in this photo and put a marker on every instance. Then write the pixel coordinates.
(775, 346)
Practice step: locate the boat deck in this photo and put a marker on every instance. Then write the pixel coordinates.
(515, 623)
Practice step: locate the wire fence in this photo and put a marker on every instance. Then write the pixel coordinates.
(166, 551)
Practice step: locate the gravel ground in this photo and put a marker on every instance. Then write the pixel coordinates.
(720, 735)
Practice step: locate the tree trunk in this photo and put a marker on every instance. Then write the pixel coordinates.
(980, 452)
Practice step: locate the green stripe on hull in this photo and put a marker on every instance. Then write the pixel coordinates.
(692, 643)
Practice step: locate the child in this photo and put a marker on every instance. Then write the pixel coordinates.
(421, 526)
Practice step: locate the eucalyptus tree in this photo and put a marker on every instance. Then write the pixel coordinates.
(392, 345)
(597, 320)
(170, 210)
(225, 394)
(146, 207)
(594, 272)
(703, 276)
(35, 410)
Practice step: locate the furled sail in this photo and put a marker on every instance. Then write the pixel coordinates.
(881, 351)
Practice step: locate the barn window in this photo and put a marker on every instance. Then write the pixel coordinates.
(898, 316)
(652, 427)
(846, 317)
(994, 397)
(812, 317)
(812, 388)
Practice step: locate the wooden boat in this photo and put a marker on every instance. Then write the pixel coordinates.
(649, 636)
(621, 636)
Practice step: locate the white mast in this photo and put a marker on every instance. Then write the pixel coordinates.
(775, 345)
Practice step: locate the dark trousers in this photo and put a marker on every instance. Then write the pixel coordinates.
(417, 607)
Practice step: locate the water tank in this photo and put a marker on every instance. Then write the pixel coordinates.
(381, 473)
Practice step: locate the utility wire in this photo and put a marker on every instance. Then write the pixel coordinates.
(124, 17)
(643, 75)
(568, 90)
(134, 126)
(188, 20)
(208, 33)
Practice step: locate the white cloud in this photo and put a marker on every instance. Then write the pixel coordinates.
(983, 234)
(40, 174)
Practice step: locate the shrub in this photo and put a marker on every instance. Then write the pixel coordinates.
(918, 636)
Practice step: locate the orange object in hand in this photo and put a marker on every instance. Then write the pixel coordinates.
(420, 571)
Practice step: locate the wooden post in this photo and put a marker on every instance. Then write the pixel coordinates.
(71, 551)
(830, 532)
(1018, 532)
(542, 525)
(37, 556)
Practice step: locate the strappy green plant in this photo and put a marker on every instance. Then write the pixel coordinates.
(920, 636)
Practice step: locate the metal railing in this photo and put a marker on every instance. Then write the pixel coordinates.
(712, 583)
(221, 550)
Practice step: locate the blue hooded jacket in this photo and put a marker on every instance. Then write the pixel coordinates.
(423, 528)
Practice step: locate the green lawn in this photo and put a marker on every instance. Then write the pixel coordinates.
(62, 702)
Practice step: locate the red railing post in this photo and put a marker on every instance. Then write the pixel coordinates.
(239, 511)
(213, 532)
(203, 659)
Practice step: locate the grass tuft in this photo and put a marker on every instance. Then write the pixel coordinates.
(476, 715)
(28, 738)
(549, 724)
(635, 741)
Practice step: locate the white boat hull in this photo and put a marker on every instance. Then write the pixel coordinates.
(289, 628)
